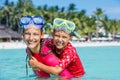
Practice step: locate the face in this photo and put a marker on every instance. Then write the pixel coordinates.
(60, 39)
(32, 36)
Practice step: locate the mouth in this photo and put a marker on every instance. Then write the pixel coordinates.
(31, 42)
(59, 43)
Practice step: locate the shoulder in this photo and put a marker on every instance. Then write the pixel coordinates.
(45, 50)
(46, 46)
(70, 47)
(47, 41)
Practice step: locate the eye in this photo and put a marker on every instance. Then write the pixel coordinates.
(64, 37)
(35, 34)
(56, 35)
(27, 33)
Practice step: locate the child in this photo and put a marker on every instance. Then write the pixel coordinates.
(32, 35)
(68, 57)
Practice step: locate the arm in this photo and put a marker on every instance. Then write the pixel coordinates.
(63, 63)
(30, 56)
(49, 69)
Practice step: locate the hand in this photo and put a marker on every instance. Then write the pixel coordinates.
(33, 62)
(36, 68)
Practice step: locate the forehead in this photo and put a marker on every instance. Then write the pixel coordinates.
(32, 27)
(62, 32)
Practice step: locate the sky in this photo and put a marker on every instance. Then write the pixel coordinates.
(110, 7)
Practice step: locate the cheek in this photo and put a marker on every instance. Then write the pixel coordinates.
(38, 38)
(26, 38)
(66, 41)
(54, 38)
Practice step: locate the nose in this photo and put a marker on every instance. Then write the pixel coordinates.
(59, 39)
(31, 37)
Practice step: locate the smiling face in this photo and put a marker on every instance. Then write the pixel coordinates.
(32, 37)
(60, 39)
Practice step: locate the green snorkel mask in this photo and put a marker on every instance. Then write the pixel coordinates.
(62, 24)
(66, 25)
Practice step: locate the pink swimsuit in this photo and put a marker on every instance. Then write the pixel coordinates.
(50, 60)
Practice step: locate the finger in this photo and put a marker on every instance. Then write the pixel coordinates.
(33, 58)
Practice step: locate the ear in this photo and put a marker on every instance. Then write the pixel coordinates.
(23, 37)
(70, 37)
(53, 34)
(42, 35)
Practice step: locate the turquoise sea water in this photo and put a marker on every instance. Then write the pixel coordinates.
(100, 63)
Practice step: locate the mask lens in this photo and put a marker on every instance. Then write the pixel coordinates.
(67, 24)
(38, 20)
(58, 21)
(71, 25)
(25, 20)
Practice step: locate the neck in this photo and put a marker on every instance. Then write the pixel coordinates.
(59, 50)
(36, 50)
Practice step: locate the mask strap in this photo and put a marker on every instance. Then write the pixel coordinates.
(76, 34)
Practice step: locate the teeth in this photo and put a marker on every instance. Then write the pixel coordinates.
(31, 42)
(59, 43)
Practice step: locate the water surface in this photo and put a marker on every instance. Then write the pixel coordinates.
(100, 63)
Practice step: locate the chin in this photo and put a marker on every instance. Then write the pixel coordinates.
(58, 47)
(31, 46)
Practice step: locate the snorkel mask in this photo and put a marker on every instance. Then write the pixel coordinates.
(38, 21)
(62, 24)
(65, 25)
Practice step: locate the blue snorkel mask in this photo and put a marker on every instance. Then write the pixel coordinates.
(38, 21)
